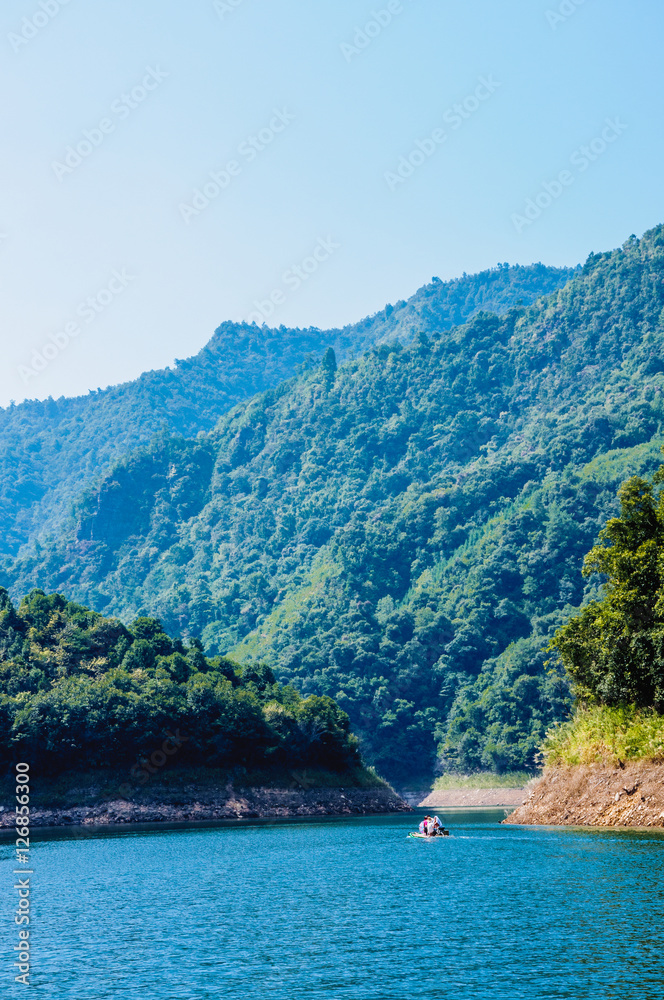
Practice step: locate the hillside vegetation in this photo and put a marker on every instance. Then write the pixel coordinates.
(405, 532)
(613, 650)
(50, 450)
(601, 733)
(84, 692)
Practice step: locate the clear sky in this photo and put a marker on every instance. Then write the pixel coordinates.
(116, 111)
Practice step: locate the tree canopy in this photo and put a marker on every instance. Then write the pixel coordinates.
(83, 691)
(614, 649)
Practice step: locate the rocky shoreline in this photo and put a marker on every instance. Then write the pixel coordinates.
(226, 804)
(628, 795)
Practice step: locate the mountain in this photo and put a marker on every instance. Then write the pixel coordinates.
(50, 450)
(405, 532)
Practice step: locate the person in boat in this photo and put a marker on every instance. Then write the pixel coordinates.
(436, 827)
(424, 826)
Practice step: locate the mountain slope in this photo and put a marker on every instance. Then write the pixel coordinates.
(50, 450)
(405, 532)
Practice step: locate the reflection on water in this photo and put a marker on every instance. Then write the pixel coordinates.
(346, 909)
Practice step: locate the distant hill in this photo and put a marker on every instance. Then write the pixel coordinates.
(405, 532)
(50, 450)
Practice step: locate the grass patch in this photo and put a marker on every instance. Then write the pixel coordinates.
(483, 779)
(602, 733)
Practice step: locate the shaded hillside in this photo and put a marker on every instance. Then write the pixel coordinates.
(403, 533)
(49, 450)
(82, 692)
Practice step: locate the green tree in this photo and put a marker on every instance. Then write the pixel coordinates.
(614, 649)
(329, 366)
(151, 630)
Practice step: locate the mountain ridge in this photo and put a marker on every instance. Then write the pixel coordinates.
(51, 449)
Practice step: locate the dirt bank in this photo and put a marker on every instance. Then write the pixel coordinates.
(228, 803)
(596, 795)
(471, 798)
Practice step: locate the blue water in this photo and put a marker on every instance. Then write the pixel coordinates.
(347, 909)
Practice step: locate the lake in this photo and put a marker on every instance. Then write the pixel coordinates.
(344, 909)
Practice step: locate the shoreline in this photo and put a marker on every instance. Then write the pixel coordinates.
(630, 795)
(204, 805)
(474, 798)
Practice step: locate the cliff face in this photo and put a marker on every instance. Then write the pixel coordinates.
(596, 795)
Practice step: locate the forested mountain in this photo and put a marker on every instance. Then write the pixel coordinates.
(50, 450)
(405, 532)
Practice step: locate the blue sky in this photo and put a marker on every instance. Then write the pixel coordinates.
(365, 161)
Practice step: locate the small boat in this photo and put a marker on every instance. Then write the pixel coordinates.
(438, 830)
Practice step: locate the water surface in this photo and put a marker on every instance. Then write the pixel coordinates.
(347, 909)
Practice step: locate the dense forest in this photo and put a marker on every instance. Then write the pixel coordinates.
(404, 532)
(49, 450)
(82, 691)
